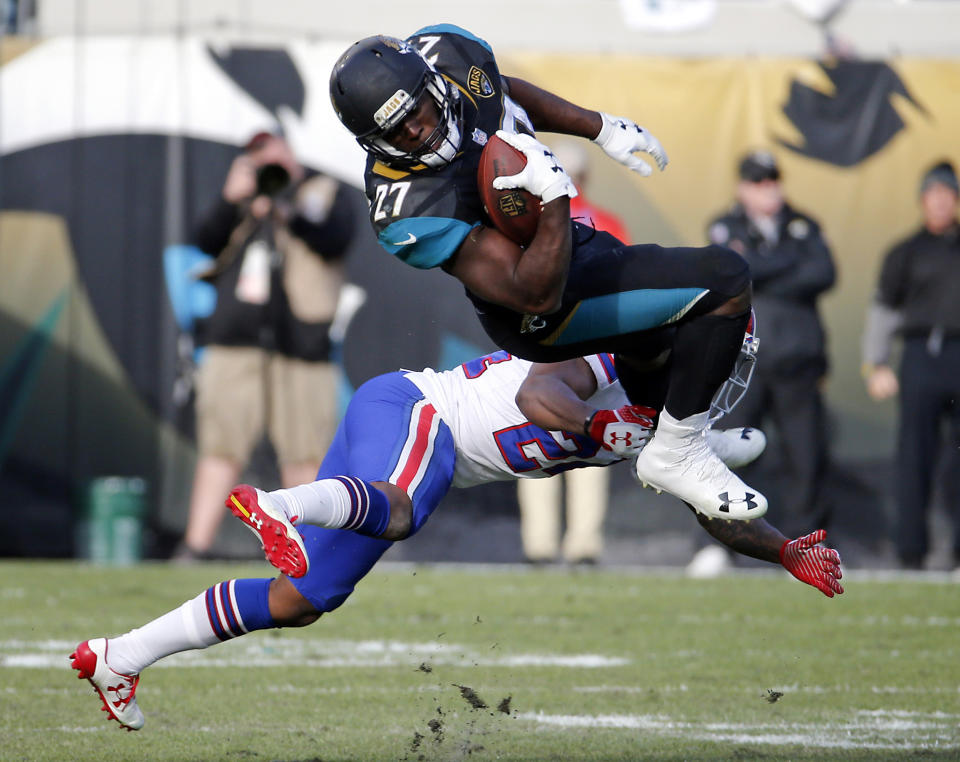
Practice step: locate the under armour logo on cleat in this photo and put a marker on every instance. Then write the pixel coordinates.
(727, 501)
(255, 521)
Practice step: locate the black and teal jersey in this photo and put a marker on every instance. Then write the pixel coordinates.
(422, 215)
(616, 298)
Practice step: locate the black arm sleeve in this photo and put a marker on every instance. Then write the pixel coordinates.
(332, 237)
(213, 231)
(894, 276)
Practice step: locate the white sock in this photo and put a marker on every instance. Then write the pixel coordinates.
(183, 629)
(324, 503)
(669, 428)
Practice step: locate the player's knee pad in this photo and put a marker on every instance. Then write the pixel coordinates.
(729, 272)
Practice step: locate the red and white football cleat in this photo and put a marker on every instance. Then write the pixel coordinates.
(282, 544)
(118, 692)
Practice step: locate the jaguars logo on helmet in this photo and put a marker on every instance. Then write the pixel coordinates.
(392, 42)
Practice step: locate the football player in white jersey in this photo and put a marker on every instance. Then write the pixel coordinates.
(406, 438)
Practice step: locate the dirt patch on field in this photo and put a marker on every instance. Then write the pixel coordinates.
(470, 696)
(773, 696)
(452, 733)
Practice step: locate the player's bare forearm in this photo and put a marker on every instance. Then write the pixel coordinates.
(542, 269)
(551, 113)
(528, 280)
(755, 538)
(552, 395)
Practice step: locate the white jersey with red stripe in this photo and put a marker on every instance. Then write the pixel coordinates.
(493, 439)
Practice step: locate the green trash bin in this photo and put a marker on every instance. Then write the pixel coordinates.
(112, 529)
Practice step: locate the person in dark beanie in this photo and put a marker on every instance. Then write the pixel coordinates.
(792, 266)
(917, 298)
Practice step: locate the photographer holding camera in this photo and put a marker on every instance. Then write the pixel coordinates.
(280, 236)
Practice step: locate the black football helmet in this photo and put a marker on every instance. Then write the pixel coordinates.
(376, 83)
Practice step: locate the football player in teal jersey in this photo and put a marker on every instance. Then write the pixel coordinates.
(423, 108)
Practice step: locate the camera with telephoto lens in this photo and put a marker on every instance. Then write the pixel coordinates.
(271, 180)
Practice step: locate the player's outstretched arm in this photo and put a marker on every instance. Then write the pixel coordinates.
(804, 557)
(756, 538)
(551, 113)
(619, 137)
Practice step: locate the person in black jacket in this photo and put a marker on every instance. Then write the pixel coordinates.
(280, 235)
(917, 297)
(792, 266)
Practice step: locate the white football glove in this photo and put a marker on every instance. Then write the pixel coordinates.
(542, 176)
(620, 138)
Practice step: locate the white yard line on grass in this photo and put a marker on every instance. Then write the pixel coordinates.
(870, 730)
(786, 689)
(640, 570)
(258, 652)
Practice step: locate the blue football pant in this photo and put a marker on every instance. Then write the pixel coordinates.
(390, 433)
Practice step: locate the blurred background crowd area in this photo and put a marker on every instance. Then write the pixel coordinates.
(118, 121)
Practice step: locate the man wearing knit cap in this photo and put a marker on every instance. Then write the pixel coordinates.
(917, 298)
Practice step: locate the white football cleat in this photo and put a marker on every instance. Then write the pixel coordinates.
(679, 460)
(709, 562)
(117, 691)
(737, 447)
(282, 544)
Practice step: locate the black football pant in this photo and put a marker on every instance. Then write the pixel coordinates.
(634, 301)
(929, 397)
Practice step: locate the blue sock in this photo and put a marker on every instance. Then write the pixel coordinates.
(238, 606)
(369, 507)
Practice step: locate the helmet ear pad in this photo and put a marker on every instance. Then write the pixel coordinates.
(374, 86)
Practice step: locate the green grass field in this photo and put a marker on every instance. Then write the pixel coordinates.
(597, 665)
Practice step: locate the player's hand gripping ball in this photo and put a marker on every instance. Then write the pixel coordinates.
(518, 175)
(513, 211)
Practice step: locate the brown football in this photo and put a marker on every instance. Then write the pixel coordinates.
(513, 212)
